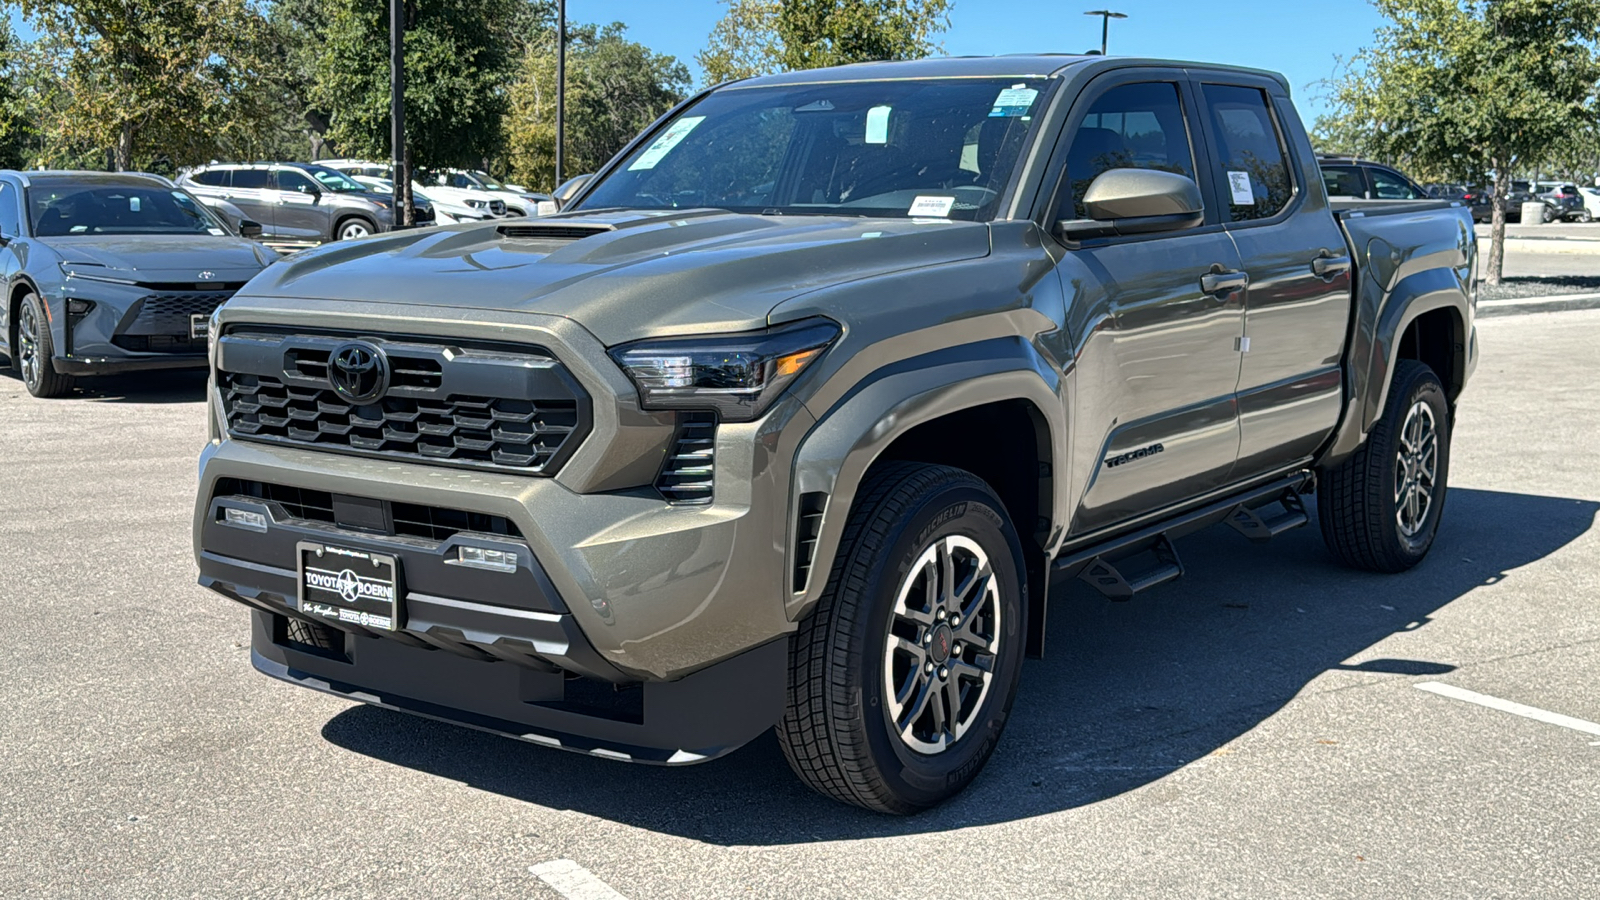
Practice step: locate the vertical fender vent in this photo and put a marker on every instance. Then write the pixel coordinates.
(688, 474)
(807, 528)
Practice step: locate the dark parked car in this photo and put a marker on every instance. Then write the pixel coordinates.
(1360, 179)
(111, 273)
(1565, 198)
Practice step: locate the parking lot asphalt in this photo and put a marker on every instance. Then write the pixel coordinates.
(1252, 730)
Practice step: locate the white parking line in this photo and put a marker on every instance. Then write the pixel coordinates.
(1516, 709)
(574, 881)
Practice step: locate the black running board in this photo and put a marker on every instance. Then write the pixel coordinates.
(1097, 564)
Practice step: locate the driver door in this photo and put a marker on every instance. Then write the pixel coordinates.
(300, 212)
(1156, 318)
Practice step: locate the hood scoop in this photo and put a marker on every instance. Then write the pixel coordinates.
(555, 231)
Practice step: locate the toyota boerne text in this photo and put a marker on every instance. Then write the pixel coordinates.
(804, 406)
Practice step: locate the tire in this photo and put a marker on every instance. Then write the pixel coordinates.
(1585, 217)
(353, 228)
(34, 351)
(1374, 515)
(836, 731)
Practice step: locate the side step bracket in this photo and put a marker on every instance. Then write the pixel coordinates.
(1250, 523)
(1104, 575)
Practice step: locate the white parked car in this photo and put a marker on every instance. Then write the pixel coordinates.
(484, 204)
(518, 202)
(445, 212)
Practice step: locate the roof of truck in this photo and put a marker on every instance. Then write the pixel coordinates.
(1021, 65)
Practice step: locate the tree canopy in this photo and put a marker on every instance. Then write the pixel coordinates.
(755, 37)
(1463, 88)
(459, 54)
(615, 89)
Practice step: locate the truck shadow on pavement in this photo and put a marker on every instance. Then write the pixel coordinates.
(1128, 693)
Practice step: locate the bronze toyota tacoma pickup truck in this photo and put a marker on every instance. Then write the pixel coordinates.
(802, 408)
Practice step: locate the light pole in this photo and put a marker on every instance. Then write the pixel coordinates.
(1106, 16)
(561, 84)
(397, 106)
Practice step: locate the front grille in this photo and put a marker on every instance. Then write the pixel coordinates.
(160, 343)
(169, 313)
(476, 406)
(687, 476)
(434, 523)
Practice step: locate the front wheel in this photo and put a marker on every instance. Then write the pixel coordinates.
(35, 350)
(902, 678)
(1380, 509)
(1585, 216)
(353, 229)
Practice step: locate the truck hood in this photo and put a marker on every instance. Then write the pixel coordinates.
(164, 257)
(624, 275)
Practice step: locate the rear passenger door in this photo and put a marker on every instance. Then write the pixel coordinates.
(1297, 304)
(252, 191)
(1153, 413)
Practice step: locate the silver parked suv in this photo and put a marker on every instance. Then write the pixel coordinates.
(295, 203)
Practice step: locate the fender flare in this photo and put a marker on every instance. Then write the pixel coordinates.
(1379, 343)
(835, 456)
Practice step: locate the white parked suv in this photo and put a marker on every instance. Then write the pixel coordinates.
(518, 202)
(473, 201)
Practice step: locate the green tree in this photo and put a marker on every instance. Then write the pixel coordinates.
(1466, 87)
(755, 37)
(458, 55)
(15, 124)
(615, 89)
(163, 82)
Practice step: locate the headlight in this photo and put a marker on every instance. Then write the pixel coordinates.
(76, 271)
(475, 204)
(738, 375)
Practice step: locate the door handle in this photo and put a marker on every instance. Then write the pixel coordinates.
(1328, 267)
(1221, 284)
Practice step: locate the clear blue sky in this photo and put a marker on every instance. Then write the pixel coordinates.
(1294, 37)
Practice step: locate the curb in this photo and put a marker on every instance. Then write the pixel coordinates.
(1514, 306)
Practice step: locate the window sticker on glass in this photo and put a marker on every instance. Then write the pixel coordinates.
(663, 145)
(1013, 102)
(1243, 195)
(932, 206)
(133, 204)
(878, 125)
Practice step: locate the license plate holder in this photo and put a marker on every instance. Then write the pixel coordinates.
(199, 325)
(354, 587)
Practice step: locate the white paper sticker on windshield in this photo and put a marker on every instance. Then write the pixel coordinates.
(932, 206)
(878, 125)
(663, 145)
(1243, 195)
(1013, 102)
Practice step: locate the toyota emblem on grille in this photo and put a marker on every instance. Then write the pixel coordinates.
(359, 372)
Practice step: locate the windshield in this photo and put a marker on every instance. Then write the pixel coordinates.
(338, 182)
(489, 181)
(67, 209)
(935, 148)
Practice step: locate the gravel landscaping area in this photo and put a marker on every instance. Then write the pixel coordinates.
(1518, 287)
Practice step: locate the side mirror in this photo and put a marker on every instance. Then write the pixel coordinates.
(250, 229)
(569, 189)
(1136, 201)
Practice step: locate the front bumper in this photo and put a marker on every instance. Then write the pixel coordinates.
(113, 365)
(680, 607)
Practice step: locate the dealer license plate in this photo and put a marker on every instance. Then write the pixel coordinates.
(199, 324)
(352, 586)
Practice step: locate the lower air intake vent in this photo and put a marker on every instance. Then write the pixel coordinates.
(687, 476)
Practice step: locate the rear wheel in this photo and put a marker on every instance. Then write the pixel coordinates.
(902, 678)
(1380, 509)
(35, 350)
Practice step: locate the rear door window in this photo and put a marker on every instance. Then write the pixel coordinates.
(1387, 185)
(252, 179)
(1344, 181)
(1251, 171)
(1132, 126)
